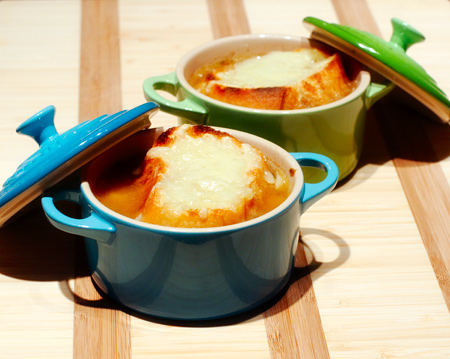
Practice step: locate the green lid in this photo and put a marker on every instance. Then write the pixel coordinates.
(387, 58)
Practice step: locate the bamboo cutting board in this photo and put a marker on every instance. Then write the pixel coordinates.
(371, 277)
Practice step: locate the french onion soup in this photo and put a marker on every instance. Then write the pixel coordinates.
(193, 177)
(278, 80)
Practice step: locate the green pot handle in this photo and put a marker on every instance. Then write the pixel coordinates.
(187, 108)
(377, 91)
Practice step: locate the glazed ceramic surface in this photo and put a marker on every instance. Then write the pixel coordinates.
(193, 274)
(60, 155)
(334, 130)
(387, 58)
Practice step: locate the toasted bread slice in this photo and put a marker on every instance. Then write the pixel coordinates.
(200, 177)
(279, 80)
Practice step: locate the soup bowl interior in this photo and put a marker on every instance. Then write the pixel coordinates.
(134, 149)
(334, 129)
(245, 46)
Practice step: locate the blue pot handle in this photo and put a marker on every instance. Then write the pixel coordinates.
(93, 226)
(312, 192)
(96, 227)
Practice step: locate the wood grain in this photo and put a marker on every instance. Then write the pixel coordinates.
(100, 75)
(424, 184)
(374, 256)
(355, 13)
(228, 18)
(293, 325)
(421, 175)
(98, 332)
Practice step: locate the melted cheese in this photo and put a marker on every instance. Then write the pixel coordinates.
(193, 176)
(203, 174)
(277, 68)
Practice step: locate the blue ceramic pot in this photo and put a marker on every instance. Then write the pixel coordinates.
(187, 273)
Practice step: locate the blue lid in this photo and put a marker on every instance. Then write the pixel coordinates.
(60, 155)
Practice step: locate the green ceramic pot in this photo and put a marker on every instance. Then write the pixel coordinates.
(334, 130)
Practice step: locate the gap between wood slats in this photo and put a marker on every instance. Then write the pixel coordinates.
(98, 332)
(293, 324)
(424, 183)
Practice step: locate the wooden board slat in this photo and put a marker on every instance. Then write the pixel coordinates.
(228, 18)
(424, 183)
(376, 244)
(98, 332)
(100, 75)
(293, 324)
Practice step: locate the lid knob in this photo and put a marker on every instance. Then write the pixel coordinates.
(404, 35)
(40, 126)
(387, 58)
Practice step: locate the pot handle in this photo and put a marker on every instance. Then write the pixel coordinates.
(312, 192)
(93, 226)
(186, 108)
(377, 91)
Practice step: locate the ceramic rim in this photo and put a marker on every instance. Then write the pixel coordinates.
(277, 154)
(363, 78)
